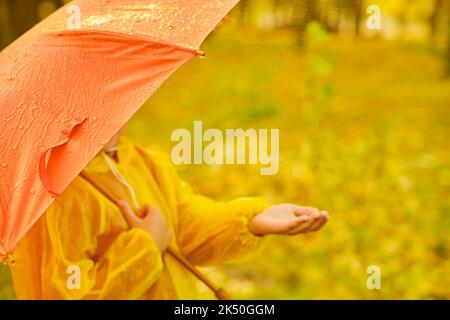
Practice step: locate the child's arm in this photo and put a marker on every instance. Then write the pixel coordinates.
(207, 231)
(214, 232)
(211, 232)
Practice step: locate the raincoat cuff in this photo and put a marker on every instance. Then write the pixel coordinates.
(150, 241)
(254, 207)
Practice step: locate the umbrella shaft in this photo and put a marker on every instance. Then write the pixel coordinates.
(220, 293)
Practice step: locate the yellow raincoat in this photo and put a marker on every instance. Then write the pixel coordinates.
(84, 229)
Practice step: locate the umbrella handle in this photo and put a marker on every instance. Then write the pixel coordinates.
(220, 293)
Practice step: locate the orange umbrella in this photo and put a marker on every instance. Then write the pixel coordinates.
(65, 92)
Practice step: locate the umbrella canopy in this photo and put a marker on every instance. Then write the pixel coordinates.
(65, 92)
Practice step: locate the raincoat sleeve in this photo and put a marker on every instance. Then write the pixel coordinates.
(123, 267)
(209, 232)
(213, 232)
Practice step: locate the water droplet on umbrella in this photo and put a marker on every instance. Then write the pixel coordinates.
(94, 118)
(4, 164)
(32, 191)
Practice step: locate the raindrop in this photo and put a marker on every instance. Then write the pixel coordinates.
(94, 118)
(4, 164)
(32, 191)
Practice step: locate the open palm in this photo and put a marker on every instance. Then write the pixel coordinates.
(288, 219)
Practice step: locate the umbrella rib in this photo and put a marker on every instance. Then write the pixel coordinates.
(132, 36)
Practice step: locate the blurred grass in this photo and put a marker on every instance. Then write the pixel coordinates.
(364, 131)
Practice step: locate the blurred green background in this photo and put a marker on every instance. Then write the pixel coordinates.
(364, 124)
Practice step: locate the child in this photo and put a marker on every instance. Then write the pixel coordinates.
(84, 247)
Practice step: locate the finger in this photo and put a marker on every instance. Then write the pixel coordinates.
(284, 226)
(303, 224)
(320, 226)
(314, 222)
(325, 214)
(151, 211)
(144, 211)
(300, 229)
(318, 222)
(128, 213)
(300, 210)
(323, 221)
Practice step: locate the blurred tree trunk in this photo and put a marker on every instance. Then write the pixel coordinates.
(5, 24)
(304, 12)
(324, 17)
(358, 12)
(18, 16)
(337, 11)
(448, 41)
(311, 12)
(24, 15)
(276, 6)
(243, 11)
(433, 20)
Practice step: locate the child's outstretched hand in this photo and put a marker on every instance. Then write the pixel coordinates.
(288, 219)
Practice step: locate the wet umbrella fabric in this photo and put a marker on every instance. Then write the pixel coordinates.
(64, 93)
